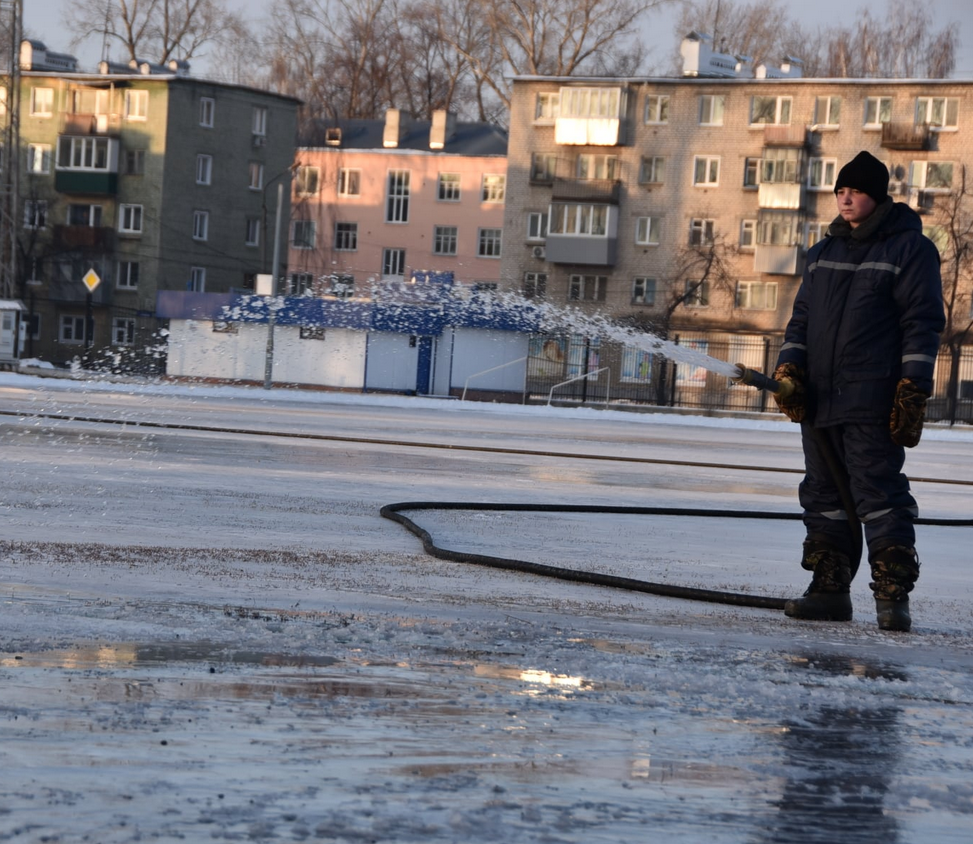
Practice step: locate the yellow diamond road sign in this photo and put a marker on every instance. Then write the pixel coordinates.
(91, 280)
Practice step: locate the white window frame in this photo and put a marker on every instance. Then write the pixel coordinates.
(72, 329)
(919, 176)
(256, 175)
(648, 231)
(756, 295)
(589, 165)
(200, 225)
(702, 231)
(644, 289)
(303, 234)
(535, 285)
(876, 104)
(129, 219)
(543, 167)
(136, 105)
(489, 242)
(41, 102)
(445, 240)
(258, 123)
(709, 175)
(197, 279)
(127, 275)
(581, 219)
(751, 173)
(93, 213)
(123, 331)
(207, 112)
(345, 236)
(494, 188)
(589, 103)
(711, 109)
(778, 228)
(307, 180)
(85, 153)
(652, 170)
(252, 236)
(656, 109)
(779, 110)
(39, 159)
(748, 235)
(822, 173)
(827, 112)
(393, 262)
(926, 113)
(398, 190)
(547, 107)
(814, 230)
(349, 181)
(536, 225)
(698, 297)
(448, 187)
(204, 169)
(587, 287)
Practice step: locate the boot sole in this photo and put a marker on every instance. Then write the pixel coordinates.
(801, 609)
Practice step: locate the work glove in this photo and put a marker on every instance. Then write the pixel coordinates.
(790, 396)
(908, 412)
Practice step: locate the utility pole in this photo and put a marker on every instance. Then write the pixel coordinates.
(11, 26)
(274, 287)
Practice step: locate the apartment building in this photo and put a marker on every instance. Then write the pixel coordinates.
(619, 190)
(136, 179)
(378, 201)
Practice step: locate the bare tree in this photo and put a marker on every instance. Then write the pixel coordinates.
(156, 29)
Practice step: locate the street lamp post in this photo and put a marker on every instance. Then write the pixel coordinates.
(272, 304)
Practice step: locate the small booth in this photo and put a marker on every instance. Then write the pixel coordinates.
(12, 332)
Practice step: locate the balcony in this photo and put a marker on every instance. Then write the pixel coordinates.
(582, 250)
(93, 238)
(589, 131)
(90, 124)
(86, 182)
(906, 136)
(606, 191)
(778, 260)
(781, 195)
(778, 135)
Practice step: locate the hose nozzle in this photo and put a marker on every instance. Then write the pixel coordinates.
(752, 378)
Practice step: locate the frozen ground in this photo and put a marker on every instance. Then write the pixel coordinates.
(214, 636)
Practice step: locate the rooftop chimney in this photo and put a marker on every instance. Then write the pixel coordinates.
(442, 129)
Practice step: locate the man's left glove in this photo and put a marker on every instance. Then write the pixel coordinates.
(908, 412)
(790, 396)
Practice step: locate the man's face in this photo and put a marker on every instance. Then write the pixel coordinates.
(854, 206)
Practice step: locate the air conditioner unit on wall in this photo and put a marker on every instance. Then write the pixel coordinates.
(539, 252)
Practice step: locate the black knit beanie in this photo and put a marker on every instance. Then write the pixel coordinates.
(865, 173)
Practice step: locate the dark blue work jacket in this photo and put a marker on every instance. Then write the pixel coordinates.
(869, 312)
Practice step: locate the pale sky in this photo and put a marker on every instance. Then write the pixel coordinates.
(39, 15)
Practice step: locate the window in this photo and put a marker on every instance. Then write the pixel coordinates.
(200, 225)
(133, 162)
(535, 285)
(41, 102)
(397, 197)
(702, 232)
(757, 295)
(127, 277)
(547, 107)
(696, 294)
(706, 170)
(393, 262)
(122, 331)
(346, 237)
(71, 329)
(780, 165)
(130, 219)
(83, 214)
(711, 109)
(444, 240)
(931, 175)
(878, 110)
(494, 188)
(647, 231)
(814, 232)
(748, 234)
(938, 112)
(587, 288)
(448, 187)
(253, 231)
(256, 175)
(751, 173)
(306, 180)
(342, 285)
(643, 291)
(89, 101)
(197, 279)
(75, 152)
(207, 111)
(349, 182)
(488, 243)
(35, 213)
(590, 103)
(821, 173)
(204, 169)
(136, 105)
(827, 111)
(38, 158)
(590, 166)
(303, 234)
(536, 225)
(301, 284)
(765, 110)
(657, 108)
(579, 218)
(259, 121)
(652, 170)
(778, 228)
(543, 167)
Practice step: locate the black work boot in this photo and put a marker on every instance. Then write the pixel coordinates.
(828, 598)
(894, 572)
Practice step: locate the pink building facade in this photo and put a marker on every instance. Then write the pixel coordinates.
(378, 201)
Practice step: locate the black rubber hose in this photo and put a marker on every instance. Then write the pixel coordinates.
(394, 512)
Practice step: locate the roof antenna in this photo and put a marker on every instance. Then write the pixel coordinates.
(104, 32)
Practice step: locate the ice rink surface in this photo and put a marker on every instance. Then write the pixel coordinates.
(207, 631)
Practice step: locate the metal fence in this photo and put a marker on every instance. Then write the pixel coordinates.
(577, 370)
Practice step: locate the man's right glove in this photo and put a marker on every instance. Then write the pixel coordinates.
(908, 411)
(790, 396)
